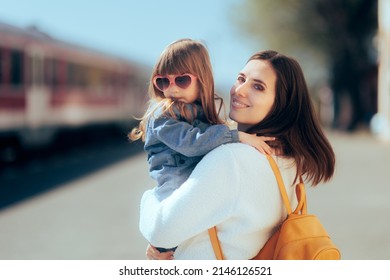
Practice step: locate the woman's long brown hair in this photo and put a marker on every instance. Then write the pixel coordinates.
(293, 121)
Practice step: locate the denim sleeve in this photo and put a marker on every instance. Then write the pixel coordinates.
(191, 140)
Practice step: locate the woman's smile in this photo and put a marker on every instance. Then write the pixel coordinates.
(237, 104)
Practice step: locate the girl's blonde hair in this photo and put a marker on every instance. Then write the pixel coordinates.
(180, 57)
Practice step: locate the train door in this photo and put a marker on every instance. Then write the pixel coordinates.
(38, 95)
(38, 130)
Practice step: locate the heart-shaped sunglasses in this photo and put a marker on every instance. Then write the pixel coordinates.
(164, 82)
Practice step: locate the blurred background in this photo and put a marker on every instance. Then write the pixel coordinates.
(73, 76)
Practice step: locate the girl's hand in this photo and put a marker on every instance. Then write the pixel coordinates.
(257, 141)
(153, 254)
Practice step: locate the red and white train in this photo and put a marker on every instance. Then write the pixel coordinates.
(47, 85)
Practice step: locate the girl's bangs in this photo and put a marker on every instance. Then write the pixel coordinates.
(175, 63)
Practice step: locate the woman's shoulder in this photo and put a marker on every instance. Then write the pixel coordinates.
(247, 156)
(238, 150)
(242, 154)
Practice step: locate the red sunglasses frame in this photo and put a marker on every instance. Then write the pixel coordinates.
(172, 80)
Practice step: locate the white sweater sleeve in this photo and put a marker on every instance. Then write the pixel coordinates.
(204, 200)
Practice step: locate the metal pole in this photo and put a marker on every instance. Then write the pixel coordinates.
(383, 117)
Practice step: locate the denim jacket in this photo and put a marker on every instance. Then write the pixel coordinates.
(175, 147)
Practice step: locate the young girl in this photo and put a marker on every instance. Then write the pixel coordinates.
(181, 124)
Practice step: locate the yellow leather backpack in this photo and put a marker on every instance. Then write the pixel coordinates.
(300, 236)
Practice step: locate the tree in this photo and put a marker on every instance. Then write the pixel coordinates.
(335, 35)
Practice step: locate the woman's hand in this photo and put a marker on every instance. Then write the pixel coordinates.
(259, 142)
(153, 254)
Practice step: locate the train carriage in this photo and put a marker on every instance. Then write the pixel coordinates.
(47, 85)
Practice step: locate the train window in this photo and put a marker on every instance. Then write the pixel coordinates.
(76, 75)
(130, 81)
(36, 70)
(94, 79)
(49, 72)
(60, 70)
(80, 71)
(17, 62)
(71, 74)
(2, 66)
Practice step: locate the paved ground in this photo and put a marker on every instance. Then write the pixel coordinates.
(355, 205)
(96, 216)
(93, 217)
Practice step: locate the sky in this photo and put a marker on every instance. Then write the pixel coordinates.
(140, 30)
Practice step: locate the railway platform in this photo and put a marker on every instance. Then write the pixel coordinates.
(96, 216)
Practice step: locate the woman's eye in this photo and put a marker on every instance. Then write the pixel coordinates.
(258, 87)
(240, 79)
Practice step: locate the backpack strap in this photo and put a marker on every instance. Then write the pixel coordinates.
(215, 243)
(281, 186)
(299, 190)
(301, 196)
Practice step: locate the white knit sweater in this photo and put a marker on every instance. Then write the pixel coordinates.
(234, 188)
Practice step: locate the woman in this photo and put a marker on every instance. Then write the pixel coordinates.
(233, 186)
